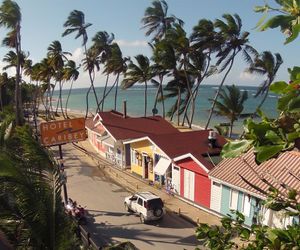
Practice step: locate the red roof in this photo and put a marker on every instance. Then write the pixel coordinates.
(243, 172)
(90, 124)
(194, 142)
(134, 127)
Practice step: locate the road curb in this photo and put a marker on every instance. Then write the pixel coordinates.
(129, 189)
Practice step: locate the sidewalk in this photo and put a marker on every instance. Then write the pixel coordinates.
(134, 184)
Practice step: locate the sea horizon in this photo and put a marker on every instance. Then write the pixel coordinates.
(134, 98)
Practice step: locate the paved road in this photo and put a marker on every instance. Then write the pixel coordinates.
(107, 217)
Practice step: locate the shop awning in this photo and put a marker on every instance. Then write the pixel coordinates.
(162, 166)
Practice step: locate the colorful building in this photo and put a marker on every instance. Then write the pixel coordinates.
(96, 136)
(117, 128)
(193, 154)
(240, 184)
(190, 178)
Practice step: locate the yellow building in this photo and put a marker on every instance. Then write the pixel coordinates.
(145, 155)
(141, 155)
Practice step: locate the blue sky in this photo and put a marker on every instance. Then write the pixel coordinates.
(42, 23)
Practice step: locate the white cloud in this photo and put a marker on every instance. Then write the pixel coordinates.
(245, 76)
(10, 71)
(77, 56)
(135, 43)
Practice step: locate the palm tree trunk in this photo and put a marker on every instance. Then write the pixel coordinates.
(159, 90)
(231, 127)
(35, 109)
(262, 101)
(116, 92)
(195, 92)
(173, 112)
(48, 102)
(108, 92)
(18, 96)
(45, 104)
(145, 96)
(1, 102)
(155, 101)
(163, 102)
(218, 92)
(67, 101)
(178, 106)
(104, 91)
(51, 105)
(87, 101)
(60, 98)
(92, 82)
(188, 85)
(186, 109)
(92, 77)
(194, 105)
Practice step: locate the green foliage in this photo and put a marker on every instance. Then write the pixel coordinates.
(235, 148)
(31, 214)
(122, 246)
(287, 20)
(221, 237)
(232, 234)
(231, 103)
(222, 129)
(269, 137)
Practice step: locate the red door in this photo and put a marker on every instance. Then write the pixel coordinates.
(202, 190)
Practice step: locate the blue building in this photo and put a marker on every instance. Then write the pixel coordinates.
(240, 184)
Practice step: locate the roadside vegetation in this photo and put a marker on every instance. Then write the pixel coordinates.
(269, 137)
(31, 211)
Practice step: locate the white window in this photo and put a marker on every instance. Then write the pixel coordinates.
(133, 157)
(234, 194)
(246, 206)
(111, 150)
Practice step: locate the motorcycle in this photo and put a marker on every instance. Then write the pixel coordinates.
(76, 211)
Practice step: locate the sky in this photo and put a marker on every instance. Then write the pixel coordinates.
(42, 23)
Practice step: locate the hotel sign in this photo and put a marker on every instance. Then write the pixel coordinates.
(62, 131)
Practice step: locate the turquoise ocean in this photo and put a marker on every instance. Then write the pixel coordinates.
(135, 103)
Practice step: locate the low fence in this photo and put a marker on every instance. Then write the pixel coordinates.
(86, 238)
(83, 234)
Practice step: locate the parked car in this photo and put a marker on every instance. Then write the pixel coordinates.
(146, 204)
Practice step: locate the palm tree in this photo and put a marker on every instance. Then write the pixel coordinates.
(204, 42)
(11, 60)
(102, 46)
(45, 73)
(164, 58)
(157, 21)
(116, 65)
(91, 63)
(31, 214)
(70, 73)
(8, 89)
(56, 59)
(231, 104)
(233, 41)
(10, 18)
(3, 82)
(177, 86)
(76, 23)
(265, 64)
(138, 73)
